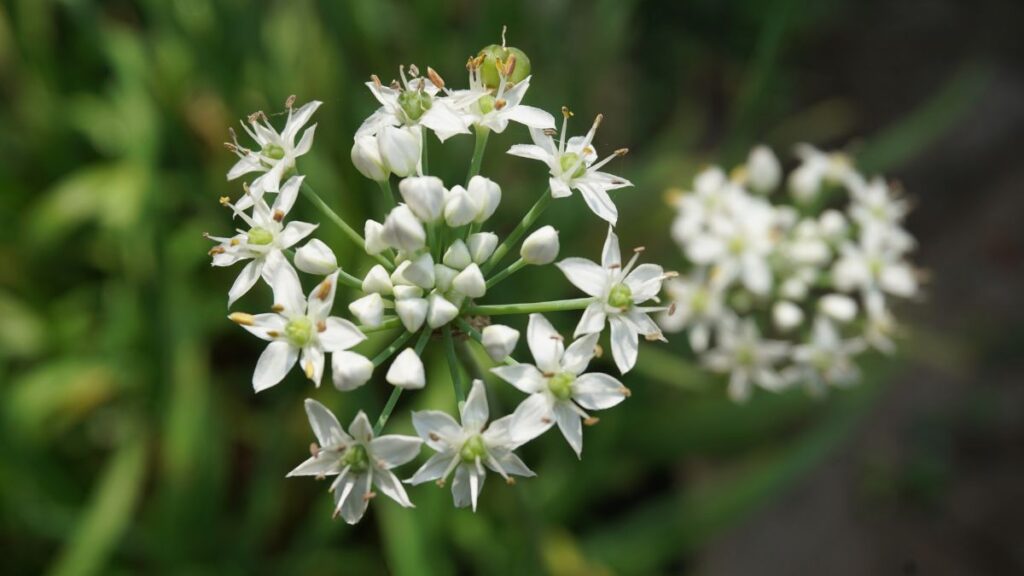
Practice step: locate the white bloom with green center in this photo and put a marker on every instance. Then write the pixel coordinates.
(826, 359)
(414, 102)
(558, 388)
(277, 150)
(298, 326)
(493, 109)
(573, 167)
(747, 358)
(267, 236)
(874, 265)
(697, 306)
(818, 169)
(467, 449)
(618, 292)
(360, 461)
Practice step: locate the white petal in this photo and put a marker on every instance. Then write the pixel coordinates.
(578, 355)
(436, 428)
(322, 464)
(470, 282)
(312, 363)
(598, 391)
(645, 281)
(592, 321)
(325, 425)
(545, 343)
(287, 289)
(321, 298)
(388, 483)
(247, 278)
(624, 344)
(525, 377)
(412, 312)
(394, 450)
(585, 275)
(433, 469)
(274, 364)
(533, 417)
(532, 152)
(407, 371)
(354, 505)
(339, 335)
(316, 258)
(532, 117)
(287, 195)
(499, 341)
(369, 310)
(466, 486)
(599, 202)
(361, 429)
(474, 412)
(264, 326)
(611, 257)
(350, 370)
(293, 232)
(440, 311)
(571, 426)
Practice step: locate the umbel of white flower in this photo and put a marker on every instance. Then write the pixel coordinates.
(428, 269)
(781, 295)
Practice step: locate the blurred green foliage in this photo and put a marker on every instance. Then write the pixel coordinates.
(131, 439)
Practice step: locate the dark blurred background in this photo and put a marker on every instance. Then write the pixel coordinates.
(132, 441)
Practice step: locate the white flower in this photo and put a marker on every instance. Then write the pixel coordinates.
(400, 149)
(572, 167)
(541, 247)
(316, 258)
(367, 159)
(826, 359)
(559, 390)
(467, 449)
(407, 371)
(786, 315)
(838, 307)
(424, 195)
(618, 290)
(499, 341)
(873, 265)
(413, 103)
(763, 170)
(298, 325)
(278, 151)
(494, 110)
(350, 370)
(738, 244)
(696, 306)
(819, 168)
(358, 459)
(263, 243)
(749, 359)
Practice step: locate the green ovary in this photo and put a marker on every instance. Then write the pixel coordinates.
(299, 331)
(561, 385)
(260, 237)
(472, 449)
(620, 296)
(570, 159)
(356, 458)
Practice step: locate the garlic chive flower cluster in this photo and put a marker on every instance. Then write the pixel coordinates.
(786, 291)
(431, 261)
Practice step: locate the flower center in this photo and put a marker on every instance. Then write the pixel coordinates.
(700, 301)
(736, 245)
(260, 236)
(561, 385)
(299, 331)
(745, 356)
(822, 361)
(356, 458)
(414, 103)
(273, 151)
(472, 449)
(570, 159)
(486, 103)
(620, 296)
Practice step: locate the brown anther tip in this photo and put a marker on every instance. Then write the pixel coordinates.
(626, 392)
(375, 79)
(639, 249)
(337, 512)
(598, 351)
(277, 308)
(324, 290)
(369, 496)
(242, 318)
(321, 326)
(510, 65)
(216, 250)
(566, 112)
(278, 216)
(598, 119)
(557, 337)
(435, 77)
(289, 102)
(500, 103)
(590, 421)
(440, 483)
(314, 449)
(224, 200)
(253, 118)
(546, 420)
(550, 132)
(615, 266)
(510, 481)
(230, 146)
(273, 333)
(234, 242)
(622, 152)
(672, 309)
(434, 436)
(320, 477)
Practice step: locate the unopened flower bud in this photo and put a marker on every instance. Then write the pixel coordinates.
(369, 310)
(838, 307)
(486, 195)
(763, 170)
(316, 258)
(407, 371)
(403, 230)
(833, 225)
(440, 311)
(350, 370)
(459, 208)
(541, 247)
(457, 256)
(470, 282)
(406, 292)
(424, 195)
(378, 281)
(495, 57)
(373, 232)
(786, 315)
(420, 272)
(443, 277)
(399, 149)
(499, 341)
(481, 245)
(793, 289)
(805, 183)
(366, 158)
(412, 312)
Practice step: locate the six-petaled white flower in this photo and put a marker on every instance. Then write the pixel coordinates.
(277, 150)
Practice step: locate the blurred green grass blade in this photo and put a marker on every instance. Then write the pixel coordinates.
(907, 138)
(108, 515)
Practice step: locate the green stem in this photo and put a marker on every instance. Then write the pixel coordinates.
(480, 144)
(453, 365)
(390, 200)
(340, 223)
(531, 307)
(517, 233)
(397, 392)
(387, 324)
(349, 280)
(515, 267)
(386, 353)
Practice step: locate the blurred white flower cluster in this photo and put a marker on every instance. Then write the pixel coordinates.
(430, 264)
(787, 289)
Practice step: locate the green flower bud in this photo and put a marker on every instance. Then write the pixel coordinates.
(260, 237)
(620, 296)
(414, 103)
(561, 385)
(299, 331)
(356, 459)
(489, 69)
(570, 159)
(473, 448)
